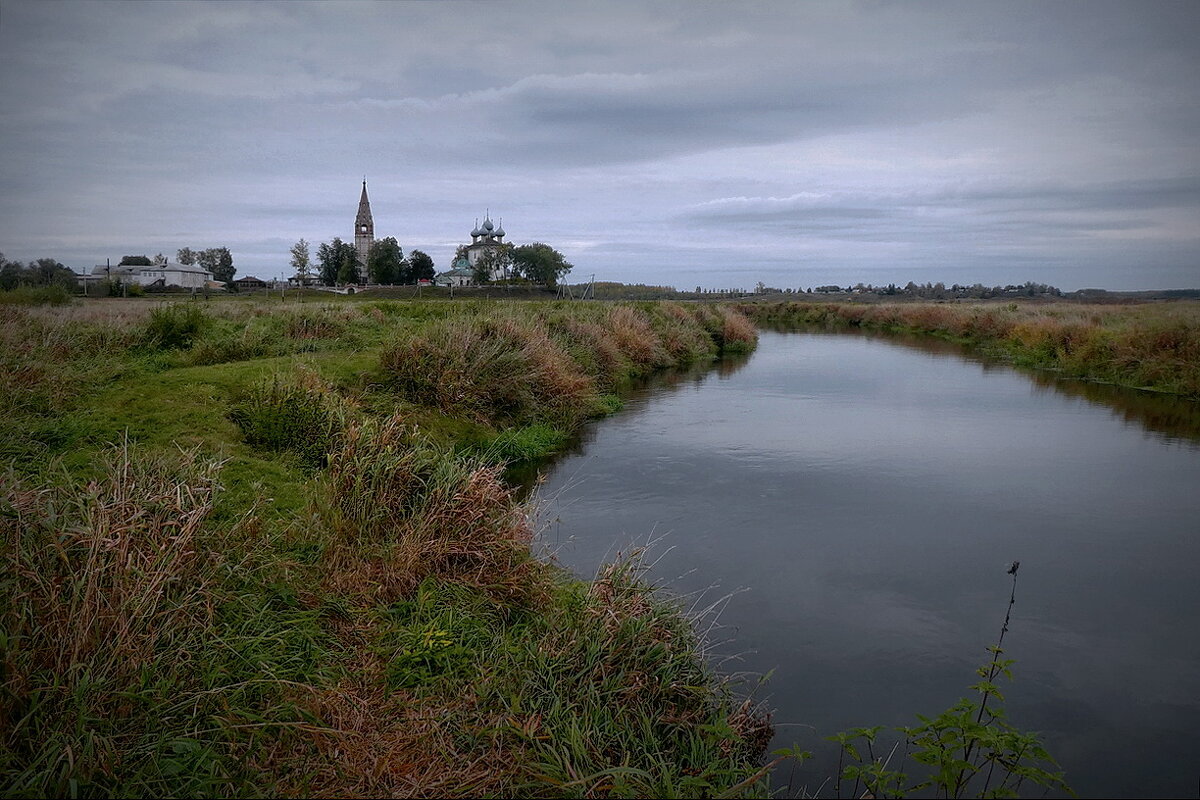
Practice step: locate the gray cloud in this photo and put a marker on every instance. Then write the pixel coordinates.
(669, 142)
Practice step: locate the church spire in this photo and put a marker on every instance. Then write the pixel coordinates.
(364, 209)
(364, 228)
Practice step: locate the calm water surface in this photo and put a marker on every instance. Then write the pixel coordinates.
(857, 500)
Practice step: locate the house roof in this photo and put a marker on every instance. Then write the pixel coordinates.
(170, 266)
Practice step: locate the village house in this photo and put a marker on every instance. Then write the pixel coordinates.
(169, 274)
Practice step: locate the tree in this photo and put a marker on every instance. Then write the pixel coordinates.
(135, 261)
(50, 272)
(421, 266)
(300, 261)
(540, 263)
(218, 261)
(495, 261)
(348, 271)
(460, 252)
(186, 256)
(331, 256)
(385, 262)
(160, 260)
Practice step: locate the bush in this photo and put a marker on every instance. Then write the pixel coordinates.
(175, 326)
(285, 417)
(35, 296)
(503, 370)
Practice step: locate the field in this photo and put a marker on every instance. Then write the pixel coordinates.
(262, 547)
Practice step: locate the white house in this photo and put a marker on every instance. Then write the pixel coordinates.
(168, 274)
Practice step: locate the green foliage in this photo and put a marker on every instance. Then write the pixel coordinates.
(218, 261)
(421, 266)
(175, 326)
(970, 749)
(245, 674)
(524, 444)
(282, 416)
(333, 258)
(540, 263)
(386, 264)
(135, 261)
(35, 296)
(45, 272)
(300, 260)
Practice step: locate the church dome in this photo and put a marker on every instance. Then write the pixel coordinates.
(499, 231)
(487, 226)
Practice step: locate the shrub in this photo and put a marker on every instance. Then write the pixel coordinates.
(403, 510)
(175, 326)
(35, 296)
(287, 417)
(502, 370)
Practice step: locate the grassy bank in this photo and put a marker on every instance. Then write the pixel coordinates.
(1148, 346)
(267, 548)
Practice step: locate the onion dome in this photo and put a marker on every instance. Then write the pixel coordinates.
(487, 226)
(476, 231)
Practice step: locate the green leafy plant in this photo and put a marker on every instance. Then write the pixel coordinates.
(969, 750)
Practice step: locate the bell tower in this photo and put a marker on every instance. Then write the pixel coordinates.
(364, 229)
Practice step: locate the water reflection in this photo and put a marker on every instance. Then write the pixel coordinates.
(525, 476)
(1169, 417)
(867, 493)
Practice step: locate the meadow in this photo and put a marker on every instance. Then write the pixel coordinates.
(256, 547)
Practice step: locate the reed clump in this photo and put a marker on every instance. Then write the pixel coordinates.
(285, 415)
(107, 603)
(551, 365)
(402, 509)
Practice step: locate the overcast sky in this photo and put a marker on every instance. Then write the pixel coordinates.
(673, 143)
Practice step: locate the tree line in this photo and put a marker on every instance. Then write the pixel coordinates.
(537, 263)
(39, 273)
(338, 262)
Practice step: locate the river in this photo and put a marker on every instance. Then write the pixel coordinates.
(849, 505)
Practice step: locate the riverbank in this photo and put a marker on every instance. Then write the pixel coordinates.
(1152, 346)
(267, 548)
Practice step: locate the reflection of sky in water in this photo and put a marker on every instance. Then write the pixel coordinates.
(868, 496)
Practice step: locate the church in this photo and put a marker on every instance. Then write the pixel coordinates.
(486, 239)
(364, 232)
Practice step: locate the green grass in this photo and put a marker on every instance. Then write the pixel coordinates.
(322, 565)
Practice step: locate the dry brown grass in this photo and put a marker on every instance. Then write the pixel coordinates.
(490, 369)
(105, 577)
(402, 511)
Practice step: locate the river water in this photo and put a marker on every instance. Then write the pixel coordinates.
(850, 505)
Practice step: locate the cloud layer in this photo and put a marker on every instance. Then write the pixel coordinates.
(679, 143)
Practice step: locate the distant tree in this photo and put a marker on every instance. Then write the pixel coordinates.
(135, 261)
(218, 261)
(300, 261)
(459, 253)
(160, 260)
(49, 272)
(348, 269)
(540, 263)
(421, 266)
(494, 261)
(186, 256)
(331, 257)
(385, 262)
